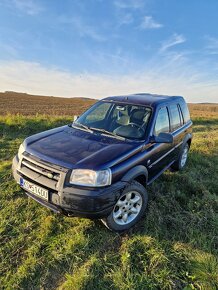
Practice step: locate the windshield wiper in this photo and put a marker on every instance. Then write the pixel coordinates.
(80, 125)
(107, 132)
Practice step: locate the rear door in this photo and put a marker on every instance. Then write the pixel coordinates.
(176, 123)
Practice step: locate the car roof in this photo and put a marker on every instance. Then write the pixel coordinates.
(143, 99)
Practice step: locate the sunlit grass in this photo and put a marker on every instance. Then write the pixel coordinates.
(173, 247)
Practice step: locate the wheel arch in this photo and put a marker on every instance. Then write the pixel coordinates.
(188, 139)
(138, 173)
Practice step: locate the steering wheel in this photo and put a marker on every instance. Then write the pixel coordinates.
(135, 125)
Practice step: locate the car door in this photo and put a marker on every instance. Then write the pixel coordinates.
(160, 153)
(176, 129)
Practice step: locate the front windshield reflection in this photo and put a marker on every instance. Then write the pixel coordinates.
(125, 120)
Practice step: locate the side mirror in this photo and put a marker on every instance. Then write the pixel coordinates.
(162, 138)
(75, 117)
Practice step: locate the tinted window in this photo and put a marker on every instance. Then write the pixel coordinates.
(185, 112)
(175, 117)
(162, 122)
(180, 114)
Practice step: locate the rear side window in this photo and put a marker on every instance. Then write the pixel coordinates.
(180, 114)
(185, 112)
(162, 124)
(175, 117)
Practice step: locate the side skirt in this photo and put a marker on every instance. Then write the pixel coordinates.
(164, 169)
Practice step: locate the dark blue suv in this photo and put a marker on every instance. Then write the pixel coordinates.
(100, 165)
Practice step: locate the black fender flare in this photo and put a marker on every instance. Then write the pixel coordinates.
(135, 172)
(186, 139)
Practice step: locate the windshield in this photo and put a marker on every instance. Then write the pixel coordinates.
(126, 120)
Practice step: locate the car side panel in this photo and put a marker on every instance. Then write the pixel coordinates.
(179, 136)
(160, 157)
(155, 156)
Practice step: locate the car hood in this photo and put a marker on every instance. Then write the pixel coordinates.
(75, 148)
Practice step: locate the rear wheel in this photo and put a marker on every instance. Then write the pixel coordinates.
(128, 209)
(180, 163)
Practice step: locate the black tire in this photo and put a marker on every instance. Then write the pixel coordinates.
(179, 164)
(136, 191)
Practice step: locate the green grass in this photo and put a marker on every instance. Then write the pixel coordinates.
(173, 247)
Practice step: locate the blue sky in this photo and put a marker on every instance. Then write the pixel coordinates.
(95, 48)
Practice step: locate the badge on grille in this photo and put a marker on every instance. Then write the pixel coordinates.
(50, 175)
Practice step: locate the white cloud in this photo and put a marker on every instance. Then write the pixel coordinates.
(129, 4)
(30, 7)
(172, 41)
(149, 23)
(83, 29)
(173, 78)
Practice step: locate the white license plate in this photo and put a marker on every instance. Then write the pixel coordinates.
(35, 189)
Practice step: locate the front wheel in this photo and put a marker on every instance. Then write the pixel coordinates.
(128, 209)
(180, 163)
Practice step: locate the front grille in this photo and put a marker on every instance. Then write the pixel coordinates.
(41, 169)
(42, 173)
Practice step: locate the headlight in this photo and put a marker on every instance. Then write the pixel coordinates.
(88, 177)
(20, 151)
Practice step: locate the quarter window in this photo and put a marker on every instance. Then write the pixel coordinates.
(162, 122)
(175, 117)
(185, 112)
(181, 116)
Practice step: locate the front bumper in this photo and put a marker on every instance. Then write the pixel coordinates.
(70, 200)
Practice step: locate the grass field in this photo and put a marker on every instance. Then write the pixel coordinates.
(173, 247)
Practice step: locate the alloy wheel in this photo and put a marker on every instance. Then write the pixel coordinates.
(127, 208)
(184, 156)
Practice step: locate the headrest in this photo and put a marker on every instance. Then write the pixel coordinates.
(137, 116)
(123, 120)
